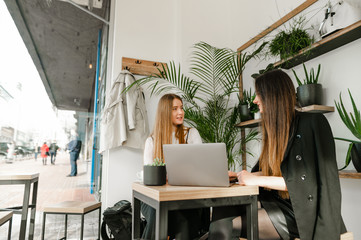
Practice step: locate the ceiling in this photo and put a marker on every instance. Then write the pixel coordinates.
(62, 37)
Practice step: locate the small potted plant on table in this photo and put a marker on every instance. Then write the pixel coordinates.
(309, 91)
(155, 173)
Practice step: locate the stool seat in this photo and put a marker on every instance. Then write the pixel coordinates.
(72, 207)
(5, 216)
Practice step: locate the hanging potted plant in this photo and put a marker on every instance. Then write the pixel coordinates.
(353, 123)
(309, 91)
(289, 42)
(155, 174)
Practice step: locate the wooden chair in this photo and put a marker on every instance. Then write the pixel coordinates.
(6, 217)
(72, 208)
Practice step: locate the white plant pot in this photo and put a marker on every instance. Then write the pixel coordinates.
(257, 115)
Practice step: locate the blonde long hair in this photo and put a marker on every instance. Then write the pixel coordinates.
(277, 95)
(163, 127)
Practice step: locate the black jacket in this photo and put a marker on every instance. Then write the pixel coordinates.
(311, 175)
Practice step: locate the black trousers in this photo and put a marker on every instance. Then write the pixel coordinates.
(182, 224)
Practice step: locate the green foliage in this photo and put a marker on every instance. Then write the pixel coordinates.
(248, 98)
(157, 162)
(207, 100)
(352, 122)
(268, 68)
(290, 41)
(312, 78)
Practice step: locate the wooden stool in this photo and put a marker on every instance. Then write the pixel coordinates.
(6, 217)
(72, 208)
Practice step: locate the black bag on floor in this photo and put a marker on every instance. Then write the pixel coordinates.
(117, 221)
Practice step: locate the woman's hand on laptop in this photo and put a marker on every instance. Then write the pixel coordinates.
(232, 174)
(247, 178)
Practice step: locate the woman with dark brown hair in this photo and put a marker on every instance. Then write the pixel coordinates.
(297, 171)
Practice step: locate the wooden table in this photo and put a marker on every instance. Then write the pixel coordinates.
(166, 198)
(28, 179)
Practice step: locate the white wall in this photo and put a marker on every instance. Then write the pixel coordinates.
(145, 30)
(164, 30)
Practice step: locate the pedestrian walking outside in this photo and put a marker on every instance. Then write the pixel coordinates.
(52, 150)
(36, 151)
(44, 153)
(74, 148)
(11, 152)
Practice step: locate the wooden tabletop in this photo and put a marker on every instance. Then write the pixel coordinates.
(18, 176)
(172, 193)
(4, 216)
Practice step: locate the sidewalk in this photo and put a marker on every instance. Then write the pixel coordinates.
(54, 187)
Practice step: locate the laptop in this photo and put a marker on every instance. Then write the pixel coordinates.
(197, 164)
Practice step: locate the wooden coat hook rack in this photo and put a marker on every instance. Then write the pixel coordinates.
(141, 67)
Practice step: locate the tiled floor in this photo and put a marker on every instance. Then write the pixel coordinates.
(54, 187)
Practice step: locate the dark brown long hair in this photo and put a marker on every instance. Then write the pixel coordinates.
(277, 95)
(163, 127)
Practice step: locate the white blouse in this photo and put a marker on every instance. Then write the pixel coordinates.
(193, 138)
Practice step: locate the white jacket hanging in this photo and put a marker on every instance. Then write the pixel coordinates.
(124, 120)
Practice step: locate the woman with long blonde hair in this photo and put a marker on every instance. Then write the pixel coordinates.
(169, 129)
(296, 172)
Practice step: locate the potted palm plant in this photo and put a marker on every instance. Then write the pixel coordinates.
(208, 104)
(309, 91)
(155, 173)
(353, 123)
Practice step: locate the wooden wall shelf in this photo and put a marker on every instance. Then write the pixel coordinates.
(312, 108)
(329, 43)
(317, 108)
(249, 124)
(349, 174)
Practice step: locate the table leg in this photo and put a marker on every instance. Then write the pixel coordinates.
(99, 215)
(161, 224)
(10, 223)
(33, 211)
(252, 219)
(136, 218)
(25, 208)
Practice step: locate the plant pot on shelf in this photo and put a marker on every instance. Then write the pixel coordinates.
(154, 175)
(244, 112)
(356, 156)
(309, 94)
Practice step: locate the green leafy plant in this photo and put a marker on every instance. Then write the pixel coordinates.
(311, 78)
(269, 67)
(352, 122)
(157, 162)
(290, 41)
(248, 98)
(208, 105)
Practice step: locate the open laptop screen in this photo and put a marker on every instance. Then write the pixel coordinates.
(196, 164)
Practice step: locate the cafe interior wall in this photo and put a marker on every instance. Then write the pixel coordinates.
(163, 30)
